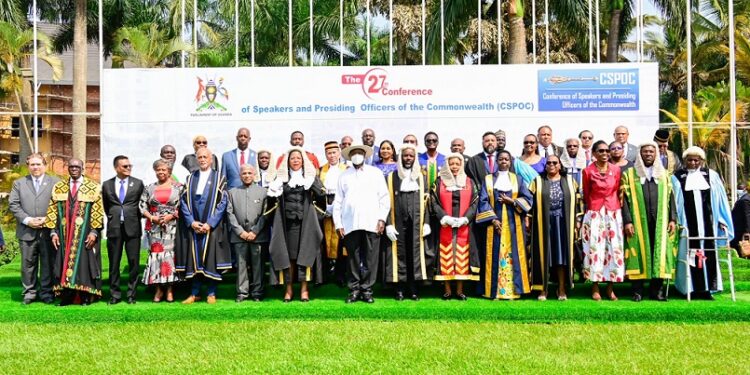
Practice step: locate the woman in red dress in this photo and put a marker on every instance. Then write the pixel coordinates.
(454, 203)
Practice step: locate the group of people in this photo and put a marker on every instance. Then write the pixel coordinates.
(491, 224)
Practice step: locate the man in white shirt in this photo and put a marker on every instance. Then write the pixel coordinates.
(360, 208)
(546, 146)
(621, 135)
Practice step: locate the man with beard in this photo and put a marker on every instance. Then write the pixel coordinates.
(707, 214)
(359, 212)
(649, 218)
(484, 163)
(408, 257)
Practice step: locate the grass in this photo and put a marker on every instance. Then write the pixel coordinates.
(328, 336)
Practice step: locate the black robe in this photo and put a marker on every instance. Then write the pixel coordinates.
(540, 229)
(408, 212)
(710, 263)
(309, 255)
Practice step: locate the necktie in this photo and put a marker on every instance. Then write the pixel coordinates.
(36, 185)
(242, 158)
(74, 191)
(664, 161)
(546, 154)
(588, 157)
(122, 191)
(489, 162)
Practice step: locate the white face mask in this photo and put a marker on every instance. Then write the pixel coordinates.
(358, 159)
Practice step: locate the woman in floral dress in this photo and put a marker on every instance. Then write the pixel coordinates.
(159, 205)
(602, 225)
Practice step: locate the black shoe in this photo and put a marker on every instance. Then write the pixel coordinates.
(48, 301)
(399, 296)
(637, 297)
(240, 299)
(131, 300)
(65, 301)
(257, 299)
(287, 300)
(367, 298)
(461, 297)
(85, 301)
(27, 301)
(661, 297)
(446, 296)
(353, 297)
(415, 297)
(114, 301)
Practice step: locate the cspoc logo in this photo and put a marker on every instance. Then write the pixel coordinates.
(208, 94)
(375, 84)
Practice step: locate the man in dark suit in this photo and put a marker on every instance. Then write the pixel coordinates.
(245, 208)
(368, 139)
(546, 146)
(630, 151)
(29, 199)
(121, 195)
(232, 160)
(483, 163)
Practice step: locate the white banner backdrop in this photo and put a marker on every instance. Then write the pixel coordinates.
(143, 109)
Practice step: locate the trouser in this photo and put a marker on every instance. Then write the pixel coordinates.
(198, 282)
(38, 258)
(133, 252)
(654, 286)
(362, 262)
(249, 269)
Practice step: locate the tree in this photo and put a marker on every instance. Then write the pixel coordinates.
(146, 46)
(711, 130)
(16, 47)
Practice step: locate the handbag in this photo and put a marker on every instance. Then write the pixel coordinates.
(744, 246)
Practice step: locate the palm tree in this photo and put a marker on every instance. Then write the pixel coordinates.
(711, 132)
(146, 46)
(16, 49)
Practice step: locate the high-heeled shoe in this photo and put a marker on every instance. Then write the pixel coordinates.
(170, 296)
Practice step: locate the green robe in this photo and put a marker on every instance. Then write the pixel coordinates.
(640, 262)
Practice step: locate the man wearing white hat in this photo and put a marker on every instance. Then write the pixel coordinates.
(360, 207)
(707, 214)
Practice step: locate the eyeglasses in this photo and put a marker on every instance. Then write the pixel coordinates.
(572, 146)
(603, 150)
(201, 142)
(615, 148)
(584, 137)
(553, 162)
(430, 140)
(409, 142)
(529, 142)
(73, 167)
(127, 166)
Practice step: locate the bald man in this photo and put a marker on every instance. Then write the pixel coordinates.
(232, 160)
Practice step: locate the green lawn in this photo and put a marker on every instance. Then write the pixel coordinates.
(328, 336)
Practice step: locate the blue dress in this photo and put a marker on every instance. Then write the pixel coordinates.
(386, 168)
(539, 166)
